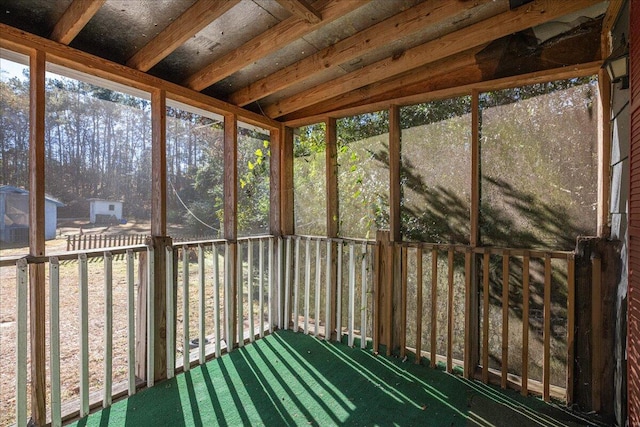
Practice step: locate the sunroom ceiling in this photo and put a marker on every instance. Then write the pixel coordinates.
(290, 58)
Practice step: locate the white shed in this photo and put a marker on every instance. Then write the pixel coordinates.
(104, 211)
(14, 212)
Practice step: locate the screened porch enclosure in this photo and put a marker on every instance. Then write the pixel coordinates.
(501, 312)
(345, 212)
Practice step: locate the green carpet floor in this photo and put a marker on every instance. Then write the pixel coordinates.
(292, 379)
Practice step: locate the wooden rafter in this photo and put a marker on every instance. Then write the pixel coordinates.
(271, 40)
(499, 25)
(301, 9)
(20, 41)
(74, 19)
(561, 73)
(396, 27)
(194, 19)
(461, 67)
(485, 62)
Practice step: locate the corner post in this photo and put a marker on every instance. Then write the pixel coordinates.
(276, 293)
(472, 262)
(37, 280)
(333, 211)
(159, 240)
(230, 218)
(395, 196)
(287, 214)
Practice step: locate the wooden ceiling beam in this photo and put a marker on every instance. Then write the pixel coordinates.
(437, 74)
(194, 19)
(74, 19)
(401, 25)
(301, 9)
(508, 56)
(581, 70)
(268, 42)
(21, 41)
(499, 25)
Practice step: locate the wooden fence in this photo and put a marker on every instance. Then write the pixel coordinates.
(79, 242)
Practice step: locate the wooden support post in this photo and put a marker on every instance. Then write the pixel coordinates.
(394, 173)
(473, 265)
(475, 170)
(230, 176)
(546, 332)
(395, 196)
(596, 270)
(486, 258)
(230, 220)
(159, 310)
(524, 390)
(276, 291)
(276, 179)
(141, 324)
(159, 241)
(377, 308)
(604, 153)
(418, 305)
(384, 300)
(287, 216)
(571, 323)
(504, 362)
(403, 301)
(332, 209)
(160, 245)
(395, 291)
(159, 163)
(450, 272)
(37, 280)
(596, 327)
(471, 339)
(434, 305)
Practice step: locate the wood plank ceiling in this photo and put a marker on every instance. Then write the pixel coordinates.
(290, 59)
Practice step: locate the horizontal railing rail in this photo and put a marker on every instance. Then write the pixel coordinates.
(70, 255)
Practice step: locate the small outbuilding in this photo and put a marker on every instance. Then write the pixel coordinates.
(104, 211)
(14, 211)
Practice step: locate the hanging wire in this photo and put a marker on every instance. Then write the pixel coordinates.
(189, 210)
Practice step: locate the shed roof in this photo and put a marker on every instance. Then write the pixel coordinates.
(22, 191)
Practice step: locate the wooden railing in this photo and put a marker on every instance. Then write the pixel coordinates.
(371, 290)
(60, 409)
(445, 303)
(242, 301)
(237, 318)
(494, 278)
(329, 287)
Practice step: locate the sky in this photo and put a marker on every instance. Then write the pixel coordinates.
(9, 69)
